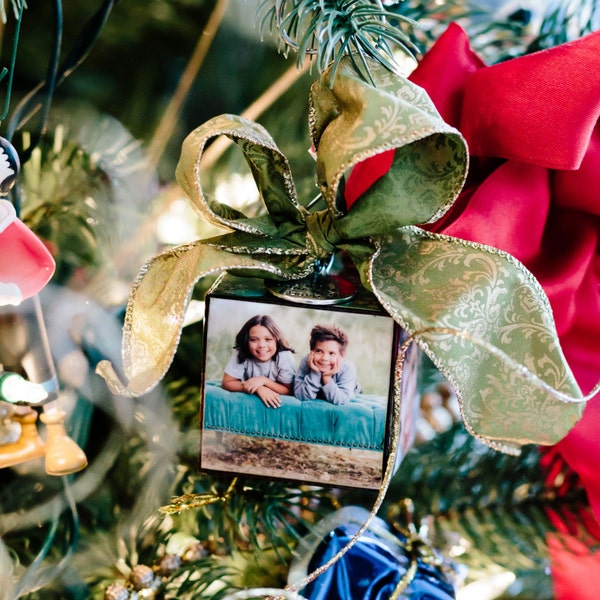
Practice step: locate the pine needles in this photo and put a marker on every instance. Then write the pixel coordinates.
(566, 20)
(330, 29)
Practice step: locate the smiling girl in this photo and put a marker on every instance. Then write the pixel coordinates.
(262, 363)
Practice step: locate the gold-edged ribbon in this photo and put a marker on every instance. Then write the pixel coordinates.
(477, 312)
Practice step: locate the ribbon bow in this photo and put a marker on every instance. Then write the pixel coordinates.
(478, 314)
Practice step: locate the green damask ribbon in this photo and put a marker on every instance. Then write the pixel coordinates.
(476, 312)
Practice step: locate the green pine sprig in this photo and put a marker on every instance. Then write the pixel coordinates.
(16, 5)
(327, 30)
(64, 202)
(248, 513)
(209, 578)
(566, 20)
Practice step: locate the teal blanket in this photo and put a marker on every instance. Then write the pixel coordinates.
(358, 424)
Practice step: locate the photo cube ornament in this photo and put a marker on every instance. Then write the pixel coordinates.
(301, 392)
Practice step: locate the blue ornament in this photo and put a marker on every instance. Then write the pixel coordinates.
(373, 566)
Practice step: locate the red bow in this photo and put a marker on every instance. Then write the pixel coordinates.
(533, 190)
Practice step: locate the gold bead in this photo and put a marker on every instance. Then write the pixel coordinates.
(116, 591)
(141, 577)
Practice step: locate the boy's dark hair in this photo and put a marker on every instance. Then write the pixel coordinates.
(323, 333)
(241, 339)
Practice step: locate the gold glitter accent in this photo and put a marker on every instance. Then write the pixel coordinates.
(269, 250)
(190, 501)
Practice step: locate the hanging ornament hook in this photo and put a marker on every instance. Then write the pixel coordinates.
(320, 287)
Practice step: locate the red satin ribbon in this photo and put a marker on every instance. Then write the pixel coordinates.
(533, 190)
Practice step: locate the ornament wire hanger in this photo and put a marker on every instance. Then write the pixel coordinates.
(321, 287)
(13, 59)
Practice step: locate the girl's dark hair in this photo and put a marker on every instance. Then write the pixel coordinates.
(323, 333)
(241, 339)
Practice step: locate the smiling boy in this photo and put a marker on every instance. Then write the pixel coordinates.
(324, 372)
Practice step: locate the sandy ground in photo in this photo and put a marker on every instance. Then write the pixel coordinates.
(296, 461)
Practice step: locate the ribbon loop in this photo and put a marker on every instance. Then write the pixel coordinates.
(270, 170)
(356, 125)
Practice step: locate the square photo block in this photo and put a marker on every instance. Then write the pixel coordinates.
(301, 393)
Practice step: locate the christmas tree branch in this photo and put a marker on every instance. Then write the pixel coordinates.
(167, 124)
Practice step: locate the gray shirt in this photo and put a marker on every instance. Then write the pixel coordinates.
(280, 368)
